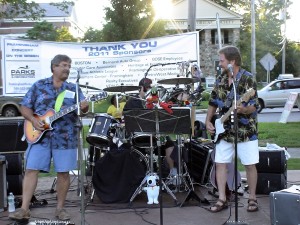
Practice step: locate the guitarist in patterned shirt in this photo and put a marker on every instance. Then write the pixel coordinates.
(60, 143)
(222, 98)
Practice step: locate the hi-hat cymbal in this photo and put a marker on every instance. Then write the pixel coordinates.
(121, 88)
(177, 80)
(89, 87)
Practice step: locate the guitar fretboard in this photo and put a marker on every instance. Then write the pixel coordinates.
(62, 113)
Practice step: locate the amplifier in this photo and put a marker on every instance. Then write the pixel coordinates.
(284, 208)
(270, 182)
(14, 184)
(3, 191)
(271, 161)
(200, 162)
(11, 132)
(14, 163)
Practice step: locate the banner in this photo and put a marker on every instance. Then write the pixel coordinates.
(99, 65)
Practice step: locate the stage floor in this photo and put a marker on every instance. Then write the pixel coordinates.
(192, 211)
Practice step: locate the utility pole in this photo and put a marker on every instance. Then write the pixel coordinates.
(253, 42)
(284, 38)
(192, 15)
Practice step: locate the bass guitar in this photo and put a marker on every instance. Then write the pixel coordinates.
(33, 135)
(219, 122)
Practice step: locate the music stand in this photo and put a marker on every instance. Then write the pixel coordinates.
(158, 121)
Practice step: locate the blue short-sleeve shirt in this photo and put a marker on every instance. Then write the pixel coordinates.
(40, 98)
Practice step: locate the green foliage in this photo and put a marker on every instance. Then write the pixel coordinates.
(29, 10)
(131, 20)
(47, 32)
(63, 35)
(93, 35)
(42, 31)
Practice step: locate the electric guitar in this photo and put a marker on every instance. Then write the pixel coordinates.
(33, 135)
(219, 122)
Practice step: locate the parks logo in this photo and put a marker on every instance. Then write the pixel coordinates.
(23, 72)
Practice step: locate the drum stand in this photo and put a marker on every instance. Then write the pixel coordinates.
(182, 180)
(150, 173)
(92, 164)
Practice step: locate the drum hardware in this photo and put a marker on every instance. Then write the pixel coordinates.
(137, 121)
(183, 178)
(95, 153)
(89, 87)
(176, 81)
(121, 88)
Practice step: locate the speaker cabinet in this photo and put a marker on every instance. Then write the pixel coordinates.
(200, 161)
(3, 193)
(14, 163)
(11, 132)
(272, 161)
(270, 182)
(14, 184)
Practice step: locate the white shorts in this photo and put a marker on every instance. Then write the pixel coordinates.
(247, 152)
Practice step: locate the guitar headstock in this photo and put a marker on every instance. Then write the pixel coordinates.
(248, 94)
(97, 97)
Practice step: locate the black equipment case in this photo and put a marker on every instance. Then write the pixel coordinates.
(284, 208)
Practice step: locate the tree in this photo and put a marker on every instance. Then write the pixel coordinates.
(131, 20)
(11, 9)
(93, 35)
(269, 37)
(42, 31)
(63, 35)
(47, 32)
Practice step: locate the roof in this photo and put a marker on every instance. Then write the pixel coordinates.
(52, 11)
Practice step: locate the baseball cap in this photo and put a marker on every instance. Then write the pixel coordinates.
(145, 82)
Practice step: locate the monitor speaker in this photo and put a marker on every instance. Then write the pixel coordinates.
(11, 133)
(270, 182)
(272, 161)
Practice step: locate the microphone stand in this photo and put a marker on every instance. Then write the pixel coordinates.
(80, 190)
(235, 126)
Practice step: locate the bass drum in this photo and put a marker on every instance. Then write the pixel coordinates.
(118, 174)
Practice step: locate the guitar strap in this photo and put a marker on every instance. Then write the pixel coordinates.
(230, 96)
(59, 100)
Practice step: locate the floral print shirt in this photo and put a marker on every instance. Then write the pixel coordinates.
(221, 93)
(40, 98)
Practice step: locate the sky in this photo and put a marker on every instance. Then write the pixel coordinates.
(92, 13)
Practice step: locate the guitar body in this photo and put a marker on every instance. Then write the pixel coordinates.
(33, 135)
(219, 130)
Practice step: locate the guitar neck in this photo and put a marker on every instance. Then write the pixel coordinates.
(62, 113)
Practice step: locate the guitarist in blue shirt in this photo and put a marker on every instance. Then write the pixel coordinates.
(222, 98)
(59, 143)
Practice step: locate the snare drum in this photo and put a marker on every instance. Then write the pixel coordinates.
(102, 130)
(142, 142)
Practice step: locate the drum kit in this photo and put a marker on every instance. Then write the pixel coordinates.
(105, 129)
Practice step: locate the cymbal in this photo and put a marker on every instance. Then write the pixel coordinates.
(177, 80)
(89, 87)
(121, 88)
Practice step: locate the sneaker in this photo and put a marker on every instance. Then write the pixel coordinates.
(20, 214)
(62, 214)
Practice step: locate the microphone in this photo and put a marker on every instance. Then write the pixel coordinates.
(230, 68)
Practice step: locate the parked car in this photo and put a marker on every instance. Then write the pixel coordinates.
(9, 105)
(276, 93)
